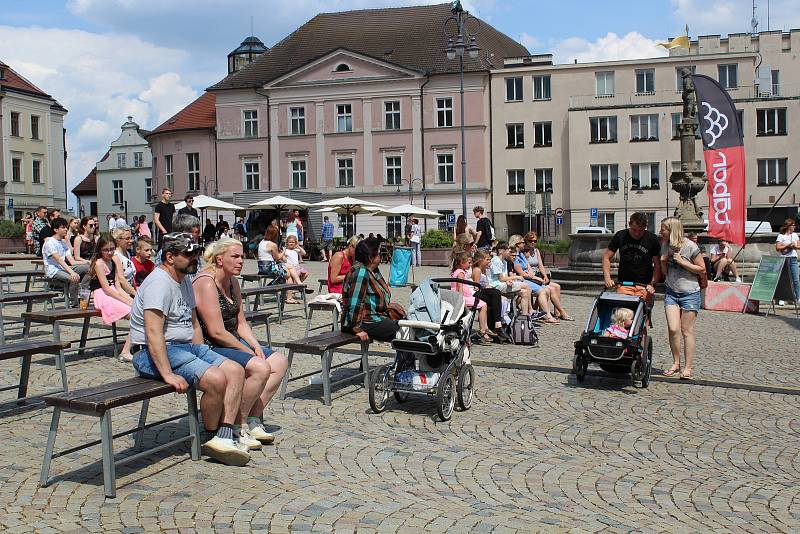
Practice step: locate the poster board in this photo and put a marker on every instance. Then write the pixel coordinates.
(772, 281)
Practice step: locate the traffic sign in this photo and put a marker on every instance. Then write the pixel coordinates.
(559, 212)
(593, 213)
(451, 219)
(559, 220)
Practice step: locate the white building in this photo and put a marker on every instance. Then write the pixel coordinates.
(124, 176)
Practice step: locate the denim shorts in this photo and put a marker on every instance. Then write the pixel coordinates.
(187, 360)
(239, 356)
(685, 301)
(534, 286)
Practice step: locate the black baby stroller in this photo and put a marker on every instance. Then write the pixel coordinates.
(432, 356)
(632, 355)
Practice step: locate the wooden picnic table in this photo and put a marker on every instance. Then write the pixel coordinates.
(276, 290)
(27, 297)
(5, 265)
(18, 257)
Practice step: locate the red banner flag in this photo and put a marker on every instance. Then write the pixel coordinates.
(723, 151)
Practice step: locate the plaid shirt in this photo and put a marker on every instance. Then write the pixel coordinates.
(365, 297)
(37, 226)
(327, 231)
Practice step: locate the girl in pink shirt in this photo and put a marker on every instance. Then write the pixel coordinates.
(462, 267)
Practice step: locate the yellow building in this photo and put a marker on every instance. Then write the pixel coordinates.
(32, 154)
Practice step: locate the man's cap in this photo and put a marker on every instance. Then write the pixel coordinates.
(178, 242)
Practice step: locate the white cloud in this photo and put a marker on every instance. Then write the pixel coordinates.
(733, 16)
(610, 47)
(530, 42)
(166, 94)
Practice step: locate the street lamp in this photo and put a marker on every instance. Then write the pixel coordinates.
(625, 181)
(205, 186)
(456, 45)
(410, 181)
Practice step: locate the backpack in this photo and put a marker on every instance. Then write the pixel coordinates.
(523, 331)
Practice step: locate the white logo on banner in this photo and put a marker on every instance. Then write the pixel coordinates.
(717, 123)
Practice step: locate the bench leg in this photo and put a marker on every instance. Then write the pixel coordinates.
(281, 296)
(305, 303)
(24, 375)
(194, 423)
(308, 321)
(26, 329)
(285, 381)
(335, 326)
(84, 334)
(137, 444)
(107, 444)
(114, 340)
(327, 356)
(2, 326)
(57, 337)
(269, 334)
(365, 364)
(48, 452)
(61, 363)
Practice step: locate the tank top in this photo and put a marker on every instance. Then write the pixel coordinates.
(111, 277)
(229, 309)
(128, 268)
(337, 288)
(86, 248)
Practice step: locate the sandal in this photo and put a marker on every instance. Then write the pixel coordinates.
(686, 376)
(671, 372)
(551, 321)
(291, 301)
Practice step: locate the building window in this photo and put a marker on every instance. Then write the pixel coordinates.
(676, 121)
(444, 168)
(516, 135)
(35, 127)
(772, 171)
(252, 175)
(193, 171)
(394, 170)
(343, 67)
(148, 189)
(645, 176)
(118, 192)
(299, 176)
(36, 175)
(444, 112)
(514, 89)
(138, 159)
(394, 226)
(392, 114)
(644, 127)
(250, 123)
(679, 78)
(298, 121)
(606, 219)
(605, 177)
(168, 175)
(16, 170)
(542, 134)
(122, 162)
(516, 181)
(775, 77)
(348, 224)
(605, 83)
(729, 76)
(544, 180)
(14, 124)
(541, 87)
(443, 219)
(604, 129)
(344, 117)
(771, 121)
(645, 81)
(344, 169)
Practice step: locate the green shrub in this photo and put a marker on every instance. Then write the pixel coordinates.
(558, 246)
(11, 229)
(436, 239)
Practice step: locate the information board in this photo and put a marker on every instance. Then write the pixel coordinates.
(772, 280)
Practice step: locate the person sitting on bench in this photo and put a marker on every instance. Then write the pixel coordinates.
(58, 264)
(722, 261)
(165, 329)
(340, 264)
(221, 316)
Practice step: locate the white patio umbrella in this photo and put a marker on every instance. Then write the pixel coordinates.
(280, 203)
(408, 210)
(349, 206)
(202, 202)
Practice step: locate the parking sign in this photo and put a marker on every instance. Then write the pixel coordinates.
(451, 219)
(593, 213)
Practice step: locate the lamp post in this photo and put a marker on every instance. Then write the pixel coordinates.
(410, 181)
(456, 46)
(625, 188)
(205, 186)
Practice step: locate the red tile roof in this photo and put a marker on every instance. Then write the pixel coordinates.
(14, 81)
(88, 185)
(412, 37)
(202, 113)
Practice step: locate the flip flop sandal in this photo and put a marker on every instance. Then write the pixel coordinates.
(672, 372)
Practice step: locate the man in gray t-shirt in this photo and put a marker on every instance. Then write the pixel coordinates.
(167, 336)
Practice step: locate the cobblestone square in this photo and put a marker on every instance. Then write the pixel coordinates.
(536, 453)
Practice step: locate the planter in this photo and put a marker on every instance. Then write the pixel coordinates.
(439, 257)
(12, 245)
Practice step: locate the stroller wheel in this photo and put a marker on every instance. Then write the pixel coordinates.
(379, 389)
(647, 358)
(466, 386)
(581, 365)
(446, 397)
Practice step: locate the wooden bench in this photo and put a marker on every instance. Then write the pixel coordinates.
(26, 350)
(28, 298)
(262, 279)
(54, 316)
(98, 402)
(323, 306)
(277, 291)
(324, 345)
(323, 282)
(29, 276)
(257, 316)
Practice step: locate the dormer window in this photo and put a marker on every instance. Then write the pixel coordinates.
(343, 67)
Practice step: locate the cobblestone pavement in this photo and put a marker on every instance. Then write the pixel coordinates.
(535, 453)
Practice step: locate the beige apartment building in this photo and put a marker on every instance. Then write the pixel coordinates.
(576, 136)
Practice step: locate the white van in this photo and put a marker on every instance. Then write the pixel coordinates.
(592, 230)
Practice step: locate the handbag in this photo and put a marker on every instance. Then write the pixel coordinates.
(702, 279)
(396, 311)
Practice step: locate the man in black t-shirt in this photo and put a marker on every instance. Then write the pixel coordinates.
(189, 207)
(639, 252)
(484, 229)
(163, 213)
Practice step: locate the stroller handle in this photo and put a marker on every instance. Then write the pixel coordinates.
(476, 285)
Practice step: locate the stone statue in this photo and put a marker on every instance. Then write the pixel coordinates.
(688, 96)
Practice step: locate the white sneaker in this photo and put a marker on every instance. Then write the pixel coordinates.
(738, 279)
(246, 439)
(315, 379)
(225, 451)
(261, 435)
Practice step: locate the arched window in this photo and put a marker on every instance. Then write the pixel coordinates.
(342, 67)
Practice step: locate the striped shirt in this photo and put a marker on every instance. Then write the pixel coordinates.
(327, 231)
(365, 297)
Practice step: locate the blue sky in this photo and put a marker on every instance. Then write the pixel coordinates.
(106, 59)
